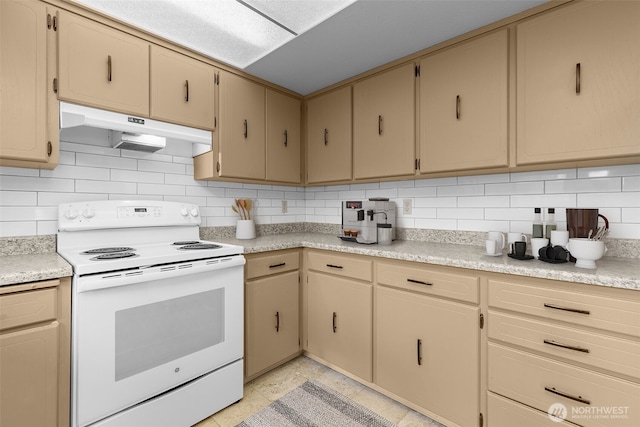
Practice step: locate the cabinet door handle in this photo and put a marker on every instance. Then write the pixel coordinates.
(567, 395)
(326, 136)
(419, 282)
(572, 310)
(49, 148)
(380, 125)
(246, 129)
(277, 321)
(457, 107)
(419, 350)
(334, 322)
(278, 265)
(334, 266)
(109, 74)
(186, 90)
(570, 347)
(286, 138)
(578, 78)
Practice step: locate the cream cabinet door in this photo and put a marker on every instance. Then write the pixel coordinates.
(578, 83)
(428, 352)
(463, 106)
(272, 318)
(102, 67)
(241, 127)
(339, 322)
(329, 137)
(384, 124)
(182, 89)
(28, 106)
(283, 138)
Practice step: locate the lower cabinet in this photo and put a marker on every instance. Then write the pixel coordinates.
(428, 349)
(272, 319)
(34, 354)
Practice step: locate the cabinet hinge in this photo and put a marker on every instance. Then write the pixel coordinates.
(481, 320)
(417, 71)
(55, 85)
(481, 420)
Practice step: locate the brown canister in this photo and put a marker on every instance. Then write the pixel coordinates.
(581, 221)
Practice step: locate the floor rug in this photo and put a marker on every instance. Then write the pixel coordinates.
(315, 405)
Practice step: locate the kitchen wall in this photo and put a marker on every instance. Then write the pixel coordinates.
(90, 170)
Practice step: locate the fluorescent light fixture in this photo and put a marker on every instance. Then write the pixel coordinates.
(237, 32)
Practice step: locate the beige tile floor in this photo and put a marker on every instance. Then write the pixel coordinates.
(268, 388)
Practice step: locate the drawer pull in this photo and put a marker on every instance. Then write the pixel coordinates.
(277, 321)
(419, 349)
(334, 266)
(246, 129)
(578, 77)
(186, 90)
(278, 265)
(419, 282)
(109, 75)
(567, 395)
(573, 310)
(334, 322)
(570, 347)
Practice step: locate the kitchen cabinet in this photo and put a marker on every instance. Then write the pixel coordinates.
(35, 353)
(28, 104)
(102, 67)
(272, 311)
(182, 89)
(463, 106)
(384, 124)
(329, 137)
(283, 138)
(578, 83)
(339, 311)
(427, 347)
(551, 342)
(241, 128)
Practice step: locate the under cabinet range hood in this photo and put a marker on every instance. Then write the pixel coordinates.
(132, 132)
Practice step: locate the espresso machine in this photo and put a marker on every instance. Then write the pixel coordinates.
(360, 219)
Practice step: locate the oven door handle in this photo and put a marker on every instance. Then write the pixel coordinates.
(94, 282)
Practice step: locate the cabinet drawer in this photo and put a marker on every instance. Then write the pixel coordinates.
(426, 280)
(596, 311)
(263, 265)
(611, 353)
(341, 265)
(540, 383)
(507, 413)
(26, 308)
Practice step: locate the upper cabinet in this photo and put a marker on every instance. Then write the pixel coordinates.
(182, 89)
(578, 83)
(102, 67)
(329, 137)
(28, 105)
(283, 138)
(242, 128)
(384, 124)
(463, 106)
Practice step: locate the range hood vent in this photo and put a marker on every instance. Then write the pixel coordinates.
(134, 133)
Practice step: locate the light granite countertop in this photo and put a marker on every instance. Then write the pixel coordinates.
(611, 271)
(26, 268)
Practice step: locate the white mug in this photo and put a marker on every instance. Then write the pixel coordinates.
(559, 238)
(516, 237)
(491, 246)
(499, 238)
(538, 243)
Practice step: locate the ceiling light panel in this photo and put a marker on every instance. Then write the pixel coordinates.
(222, 29)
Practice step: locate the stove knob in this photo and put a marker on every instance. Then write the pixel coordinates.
(71, 213)
(184, 211)
(194, 212)
(88, 212)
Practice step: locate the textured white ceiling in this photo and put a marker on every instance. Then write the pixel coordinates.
(352, 39)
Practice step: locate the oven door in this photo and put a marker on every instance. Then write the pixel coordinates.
(140, 333)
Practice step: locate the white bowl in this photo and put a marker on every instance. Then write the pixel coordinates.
(586, 252)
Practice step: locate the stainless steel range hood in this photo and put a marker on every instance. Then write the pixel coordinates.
(130, 131)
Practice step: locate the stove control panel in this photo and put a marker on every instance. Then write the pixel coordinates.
(125, 214)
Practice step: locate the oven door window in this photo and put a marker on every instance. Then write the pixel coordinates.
(151, 335)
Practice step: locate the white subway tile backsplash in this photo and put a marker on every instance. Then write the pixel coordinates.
(436, 202)
(483, 179)
(624, 231)
(18, 198)
(631, 183)
(544, 201)
(85, 186)
(389, 193)
(461, 190)
(6, 170)
(136, 176)
(460, 213)
(29, 183)
(162, 189)
(102, 161)
(510, 214)
(47, 227)
(165, 167)
(77, 172)
(534, 187)
(483, 202)
(54, 199)
(606, 171)
(543, 175)
(21, 228)
(437, 224)
(630, 215)
(614, 200)
(475, 225)
(417, 192)
(18, 213)
(595, 185)
(352, 195)
(436, 182)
